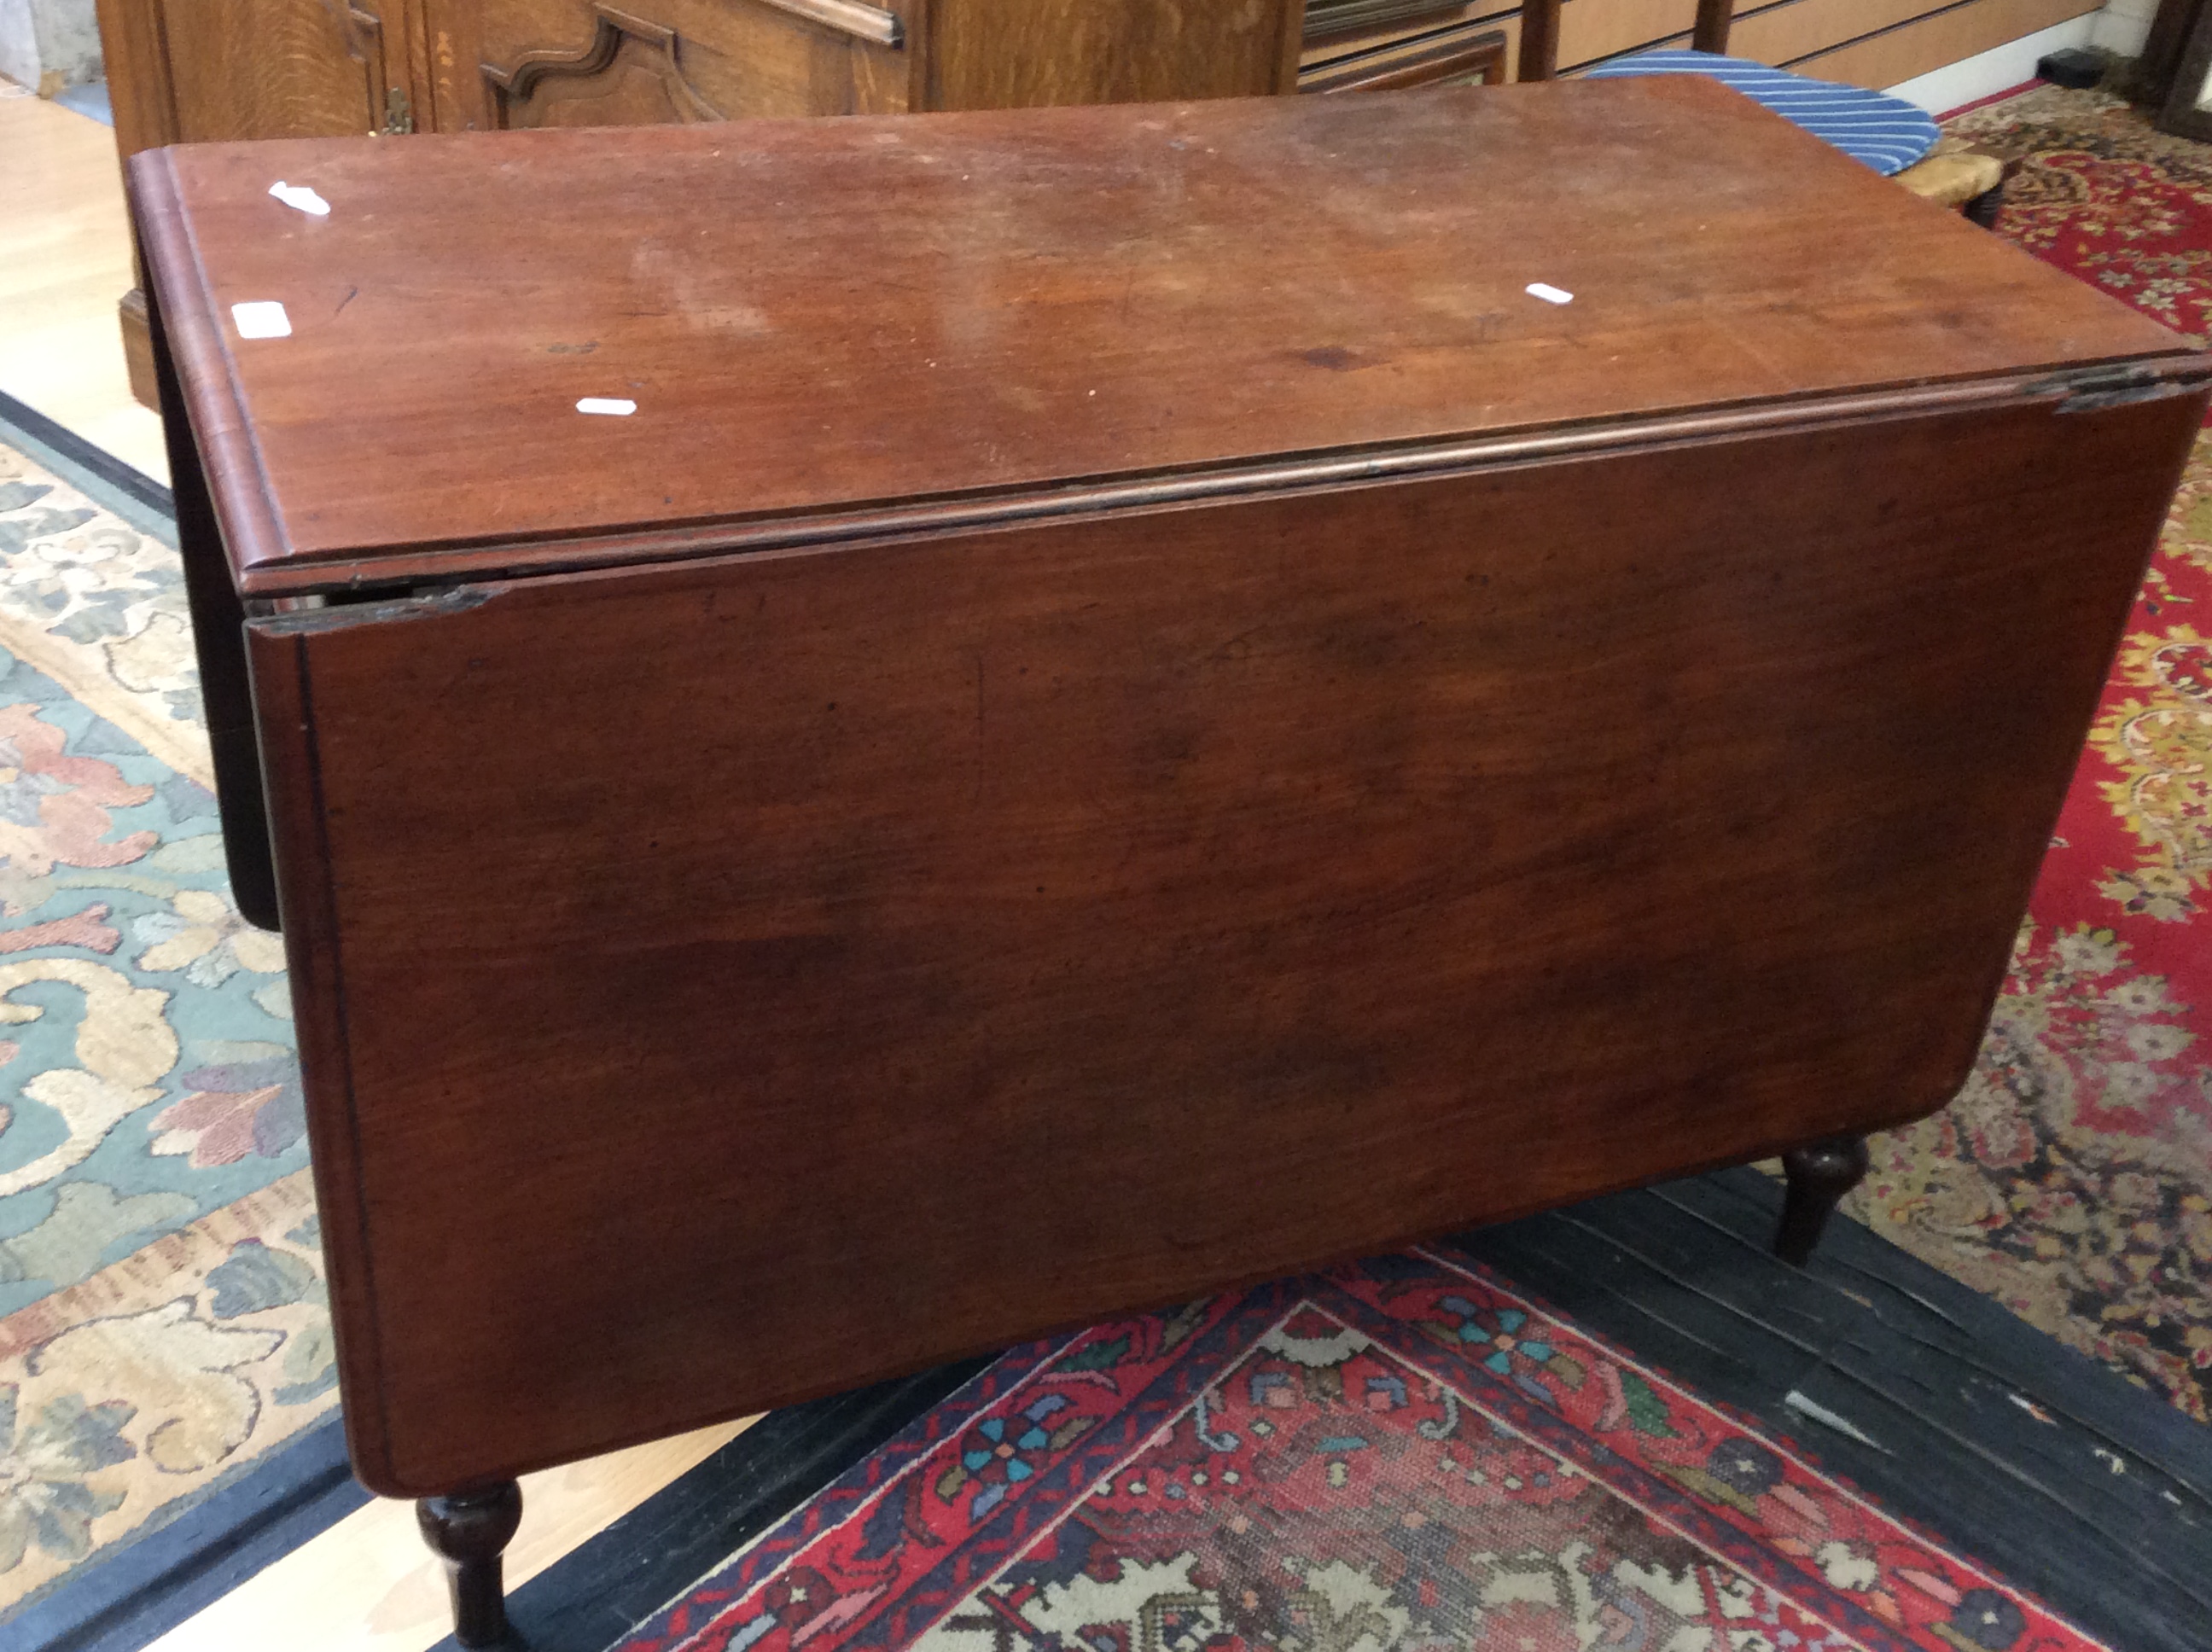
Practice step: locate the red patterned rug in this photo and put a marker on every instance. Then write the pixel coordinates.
(2072, 1178)
(1403, 1453)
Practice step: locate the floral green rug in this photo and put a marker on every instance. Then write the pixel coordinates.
(163, 1320)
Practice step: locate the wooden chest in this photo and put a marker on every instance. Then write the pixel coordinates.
(1142, 697)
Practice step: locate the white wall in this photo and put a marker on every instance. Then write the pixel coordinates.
(46, 44)
(2123, 24)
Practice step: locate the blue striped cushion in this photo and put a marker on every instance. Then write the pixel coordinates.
(1887, 133)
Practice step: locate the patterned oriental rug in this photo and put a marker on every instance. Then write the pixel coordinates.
(1404, 1452)
(162, 1317)
(163, 1320)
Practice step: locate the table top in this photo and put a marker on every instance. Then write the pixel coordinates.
(1005, 312)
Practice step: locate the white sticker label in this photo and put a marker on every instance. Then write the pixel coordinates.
(1548, 293)
(263, 319)
(299, 196)
(620, 407)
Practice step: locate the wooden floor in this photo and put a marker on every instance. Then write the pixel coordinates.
(68, 261)
(368, 1585)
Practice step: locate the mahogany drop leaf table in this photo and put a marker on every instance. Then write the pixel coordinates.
(875, 736)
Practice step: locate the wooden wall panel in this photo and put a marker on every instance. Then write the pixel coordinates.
(1944, 37)
(1800, 28)
(1591, 29)
(1866, 42)
(1004, 54)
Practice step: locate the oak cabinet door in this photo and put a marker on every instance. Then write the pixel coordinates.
(248, 69)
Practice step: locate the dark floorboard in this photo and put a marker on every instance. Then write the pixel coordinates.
(2054, 1471)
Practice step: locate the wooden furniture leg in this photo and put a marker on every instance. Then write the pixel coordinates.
(1540, 40)
(218, 620)
(467, 1531)
(1819, 1175)
(1710, 32)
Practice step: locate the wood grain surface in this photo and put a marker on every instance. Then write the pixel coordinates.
(820, 317)
(1020, 54)
(733, 981)
(1942, 35)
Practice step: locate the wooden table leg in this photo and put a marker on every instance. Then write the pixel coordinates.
(219, 642)
(1983, 210)
(1819, 1175)
(467, 1531)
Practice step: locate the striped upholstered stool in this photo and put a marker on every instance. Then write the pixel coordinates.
(1896, 138)
(1942, 169)
(1887, 133)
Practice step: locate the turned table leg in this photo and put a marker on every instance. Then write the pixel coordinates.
(1819, 1175)
(467, 1531)
(1983, 210)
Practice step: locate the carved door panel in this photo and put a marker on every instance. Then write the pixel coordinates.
(631, 74)
(253, 69)
(596, 62)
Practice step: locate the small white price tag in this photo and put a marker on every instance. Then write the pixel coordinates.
(263, 319)
(299, 196)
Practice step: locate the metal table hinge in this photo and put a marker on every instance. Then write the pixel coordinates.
(2103, 387)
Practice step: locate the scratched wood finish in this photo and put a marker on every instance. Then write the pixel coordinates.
(831, 315)
(1136, 905)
